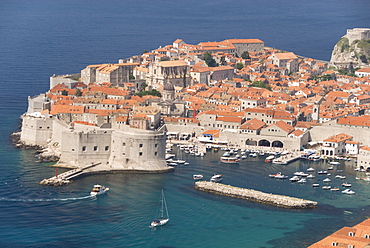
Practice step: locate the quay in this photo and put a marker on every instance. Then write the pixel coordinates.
(254, 195)
(286, 159)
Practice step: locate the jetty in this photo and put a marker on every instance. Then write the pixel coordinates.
(66, 177)
(254, 195)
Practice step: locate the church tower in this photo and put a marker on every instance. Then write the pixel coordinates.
(168, 93)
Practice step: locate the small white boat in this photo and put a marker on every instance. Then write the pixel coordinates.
(302, 180)
(269, 158)
(326, 180)
(163, 217)
(253, 155)
(334, 163)
(216, 178)
(348, 192)
(281, 177)
(315, 185)
(197, 176)
(310, 176)
(346, 185)
(310, 169)
(326, 187)
(330, 168)
(179, 161)
(98, 190)
(322, 172)
(294, 179)
(335, 189)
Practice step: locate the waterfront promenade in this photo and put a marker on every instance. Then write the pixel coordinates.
(254, 195)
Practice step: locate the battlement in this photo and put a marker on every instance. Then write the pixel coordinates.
(358, 34)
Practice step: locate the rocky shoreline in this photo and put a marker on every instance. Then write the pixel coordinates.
(254, 195)
(43, 154)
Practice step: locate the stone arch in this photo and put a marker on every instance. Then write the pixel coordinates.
(264, 142)
(277, 143)
(251, 142)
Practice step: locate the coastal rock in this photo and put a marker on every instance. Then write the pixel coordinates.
(352, 50)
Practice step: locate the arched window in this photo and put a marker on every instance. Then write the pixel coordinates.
(351, 234)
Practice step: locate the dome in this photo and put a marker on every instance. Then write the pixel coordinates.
(168, 87)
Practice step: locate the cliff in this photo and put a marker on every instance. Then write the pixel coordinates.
(352, 50)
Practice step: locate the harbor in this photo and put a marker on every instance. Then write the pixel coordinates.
(254, 195)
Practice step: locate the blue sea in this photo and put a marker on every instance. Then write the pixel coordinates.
(40, 38)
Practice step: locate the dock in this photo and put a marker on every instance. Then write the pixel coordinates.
(66, 177)
(254, 195)
(286, 159)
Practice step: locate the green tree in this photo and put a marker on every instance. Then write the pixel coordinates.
(245, 55)
(260, 84)
(363, 59)
(210, 61)
(149, 92)
(143, 85)
(223, 61)
(239, 66)
(131, 77)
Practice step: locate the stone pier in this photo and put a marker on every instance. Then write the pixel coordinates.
(253, 195)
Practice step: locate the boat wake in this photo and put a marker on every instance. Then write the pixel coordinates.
(47, 200)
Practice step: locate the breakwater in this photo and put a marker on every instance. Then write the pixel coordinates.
(254, 195)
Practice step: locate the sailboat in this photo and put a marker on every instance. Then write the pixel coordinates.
(163, 217)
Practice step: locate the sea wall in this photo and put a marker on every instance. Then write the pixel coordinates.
(253, 195)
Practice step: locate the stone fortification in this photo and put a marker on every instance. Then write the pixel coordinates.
(124, 149)
(352, 50)
(254, 195)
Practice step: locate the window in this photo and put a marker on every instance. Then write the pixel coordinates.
(334, 244)
(140, 145)
(95, 148)
(366, 236)
(84, 148)
(156, 145)
(123, 144)
(140, 154)
(107, 148)
(351, 234)
(156, 153)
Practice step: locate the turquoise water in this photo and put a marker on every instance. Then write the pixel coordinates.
(40, 38)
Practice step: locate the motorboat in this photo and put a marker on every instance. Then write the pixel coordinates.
(230, 160)
(348, 192)
(300, 173)
(98, 190)
(322, 172)
(330, 168)
(244, 156)
(253, 155)
(281, 177)
(310, 169)
(294, 179)
(302, 180)
(163, 217)
(334, 163)
(269, 158)
(335, 189)
(346, 185)
(310, 176)
(275, 175)
(216, 178)
(326, 187)
(179, 161)
(326, 180)
(226, 154)
(169, 155)
(314, 157)
(315, 185)
(197, 176)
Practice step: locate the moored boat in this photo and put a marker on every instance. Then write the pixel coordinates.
(348, 192)
(197, 176)
(230, 160)
(216, 178)
(269, 158)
